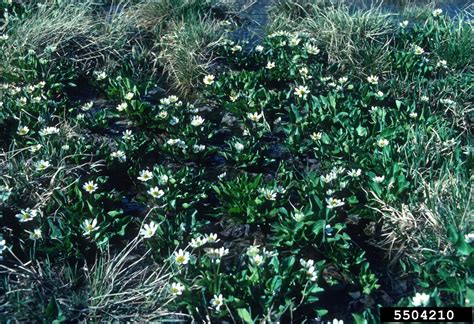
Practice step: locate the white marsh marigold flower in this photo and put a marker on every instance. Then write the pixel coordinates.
(90, 186)
(176, 289)
(156, 192)
(89, 226)
(208, 79)
(301, 92)
(148, 230)
(181, 257)
(145, 175)
(26, 215)
(334, 202)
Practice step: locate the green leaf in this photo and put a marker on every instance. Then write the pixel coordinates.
(398, 103)
(244, 315)
(359, 319)
(114, 213)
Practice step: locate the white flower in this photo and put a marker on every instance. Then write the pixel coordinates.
(90, 186)
(156, 192)
(173, 99)
(234, 98)
(42, 165)
(311, 49)
(129, 96)
(22, 130)
(236, 48)
(354, 173)
(181, 257)
(49, 131)
(329, 177)
(35, 148)
(301, 92)
(163, 114)
(3, 246)
(239, 146)
(198, 148)
(469, 238)
(197, 121)
(336, 321)
(382, 142)
(298, 216)
(165, 101)
(413, 115)
(22, 101)
(255, 117)
(259, 48)
(145, 175)
(120, 155)
(309, 268)
(122, 106)
(198, 242)
(87, 106)
(208, 79)
(4, 37)
(177, 142)
(252, 250)
(257, 259)
(270, 65)
(338, 170)
(269, 194)
(217, 302)
(36, 234)
(127, 135)
(334, 202)
(176, 289)
(372, 79)
(36, 99)
(420, 299)
(294, 41)
(149, 230)
(404, 24)
(312, 273)
(26, 215)
(100, 75)
(379, 179)
(342, 80)
(216, 254)
(442, 64)
(306, 264)
(379, 94)
(14, 90)
(304, 71)
(212, 238)
(424, 98)
(437, 12)
(316, 136)
(418, 50)
(89, 226)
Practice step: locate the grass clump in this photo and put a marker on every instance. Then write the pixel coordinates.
(357, 39)
(183, 35)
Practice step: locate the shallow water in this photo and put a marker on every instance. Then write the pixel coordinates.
(257, 14)
(450, 7)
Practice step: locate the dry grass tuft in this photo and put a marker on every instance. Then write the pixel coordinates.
(357, 39)
(121, 286)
